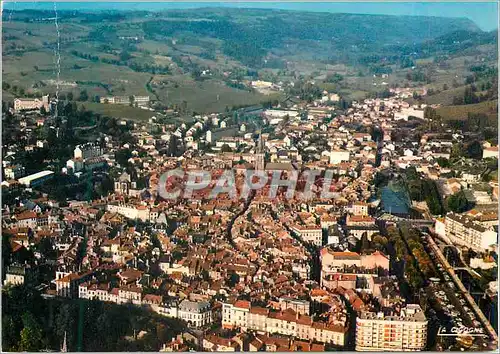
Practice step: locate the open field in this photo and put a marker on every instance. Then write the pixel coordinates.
(119, 111)
(460, 112)
(206, 96)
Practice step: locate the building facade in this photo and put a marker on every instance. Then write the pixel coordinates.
(469, 233)
(404, 332)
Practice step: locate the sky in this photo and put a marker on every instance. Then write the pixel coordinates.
(484, 14)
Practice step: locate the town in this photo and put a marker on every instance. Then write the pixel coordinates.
(400, 256)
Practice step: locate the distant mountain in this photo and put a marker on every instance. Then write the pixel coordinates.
(450, 43)
(259, 37)
(249, 34)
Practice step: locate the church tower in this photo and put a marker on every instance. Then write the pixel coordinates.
(64, 347)
(259, 154)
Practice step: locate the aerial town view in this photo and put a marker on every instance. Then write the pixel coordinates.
(249, 176)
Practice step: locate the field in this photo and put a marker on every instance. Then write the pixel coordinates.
(205, 96)
(119, 111)
(460, 112)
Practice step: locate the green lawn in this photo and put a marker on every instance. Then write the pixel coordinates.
(201, 96)
(119, 111)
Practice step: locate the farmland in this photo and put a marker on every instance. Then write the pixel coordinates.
(206, 59)
(461, 112)
(119, 111)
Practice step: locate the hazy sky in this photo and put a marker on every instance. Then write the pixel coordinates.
(484, 14)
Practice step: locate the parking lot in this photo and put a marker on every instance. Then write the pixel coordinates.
(450, 308)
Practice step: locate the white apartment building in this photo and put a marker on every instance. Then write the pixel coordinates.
(404, 332)
(236, 315)
(312, 234)
(196, 314)
(469, 233)
(140, 212)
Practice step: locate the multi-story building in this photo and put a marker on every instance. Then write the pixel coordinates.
(338, 156)
(332, 261)
(406, 331)
(18, 274)
(25, 104)
(236, 315)
(195, 313)
(290, 323)
(469, 233)
(26, 219)
(130, 211)
(36, 178)
(140, 100)
(14, 172)
(351, 270)
(300, 306)
(359, 208)
(86, 151)
(312, 234)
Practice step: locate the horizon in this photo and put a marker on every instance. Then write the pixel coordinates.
(483, 14)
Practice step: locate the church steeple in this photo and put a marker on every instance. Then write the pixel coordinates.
(64, 348)
(259, 154)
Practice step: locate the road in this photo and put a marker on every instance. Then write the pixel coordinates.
(441, 259)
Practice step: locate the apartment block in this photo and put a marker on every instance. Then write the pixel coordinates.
(467, 232)
(406, 331)
(290, 323)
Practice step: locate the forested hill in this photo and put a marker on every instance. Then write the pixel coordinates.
(289, 25)
(248, 35)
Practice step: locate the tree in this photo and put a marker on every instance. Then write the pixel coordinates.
(226, 148)
(124, 56)
(172, 146)
(69, 96)
(104, 187)
(184, 106)
(83, 95)
(445, 87)
(334, 78)
(122, 157)
(31, 334)
(232, 280)
(475, 150)
(457, 202)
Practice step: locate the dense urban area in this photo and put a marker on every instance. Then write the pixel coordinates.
(401, 256)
